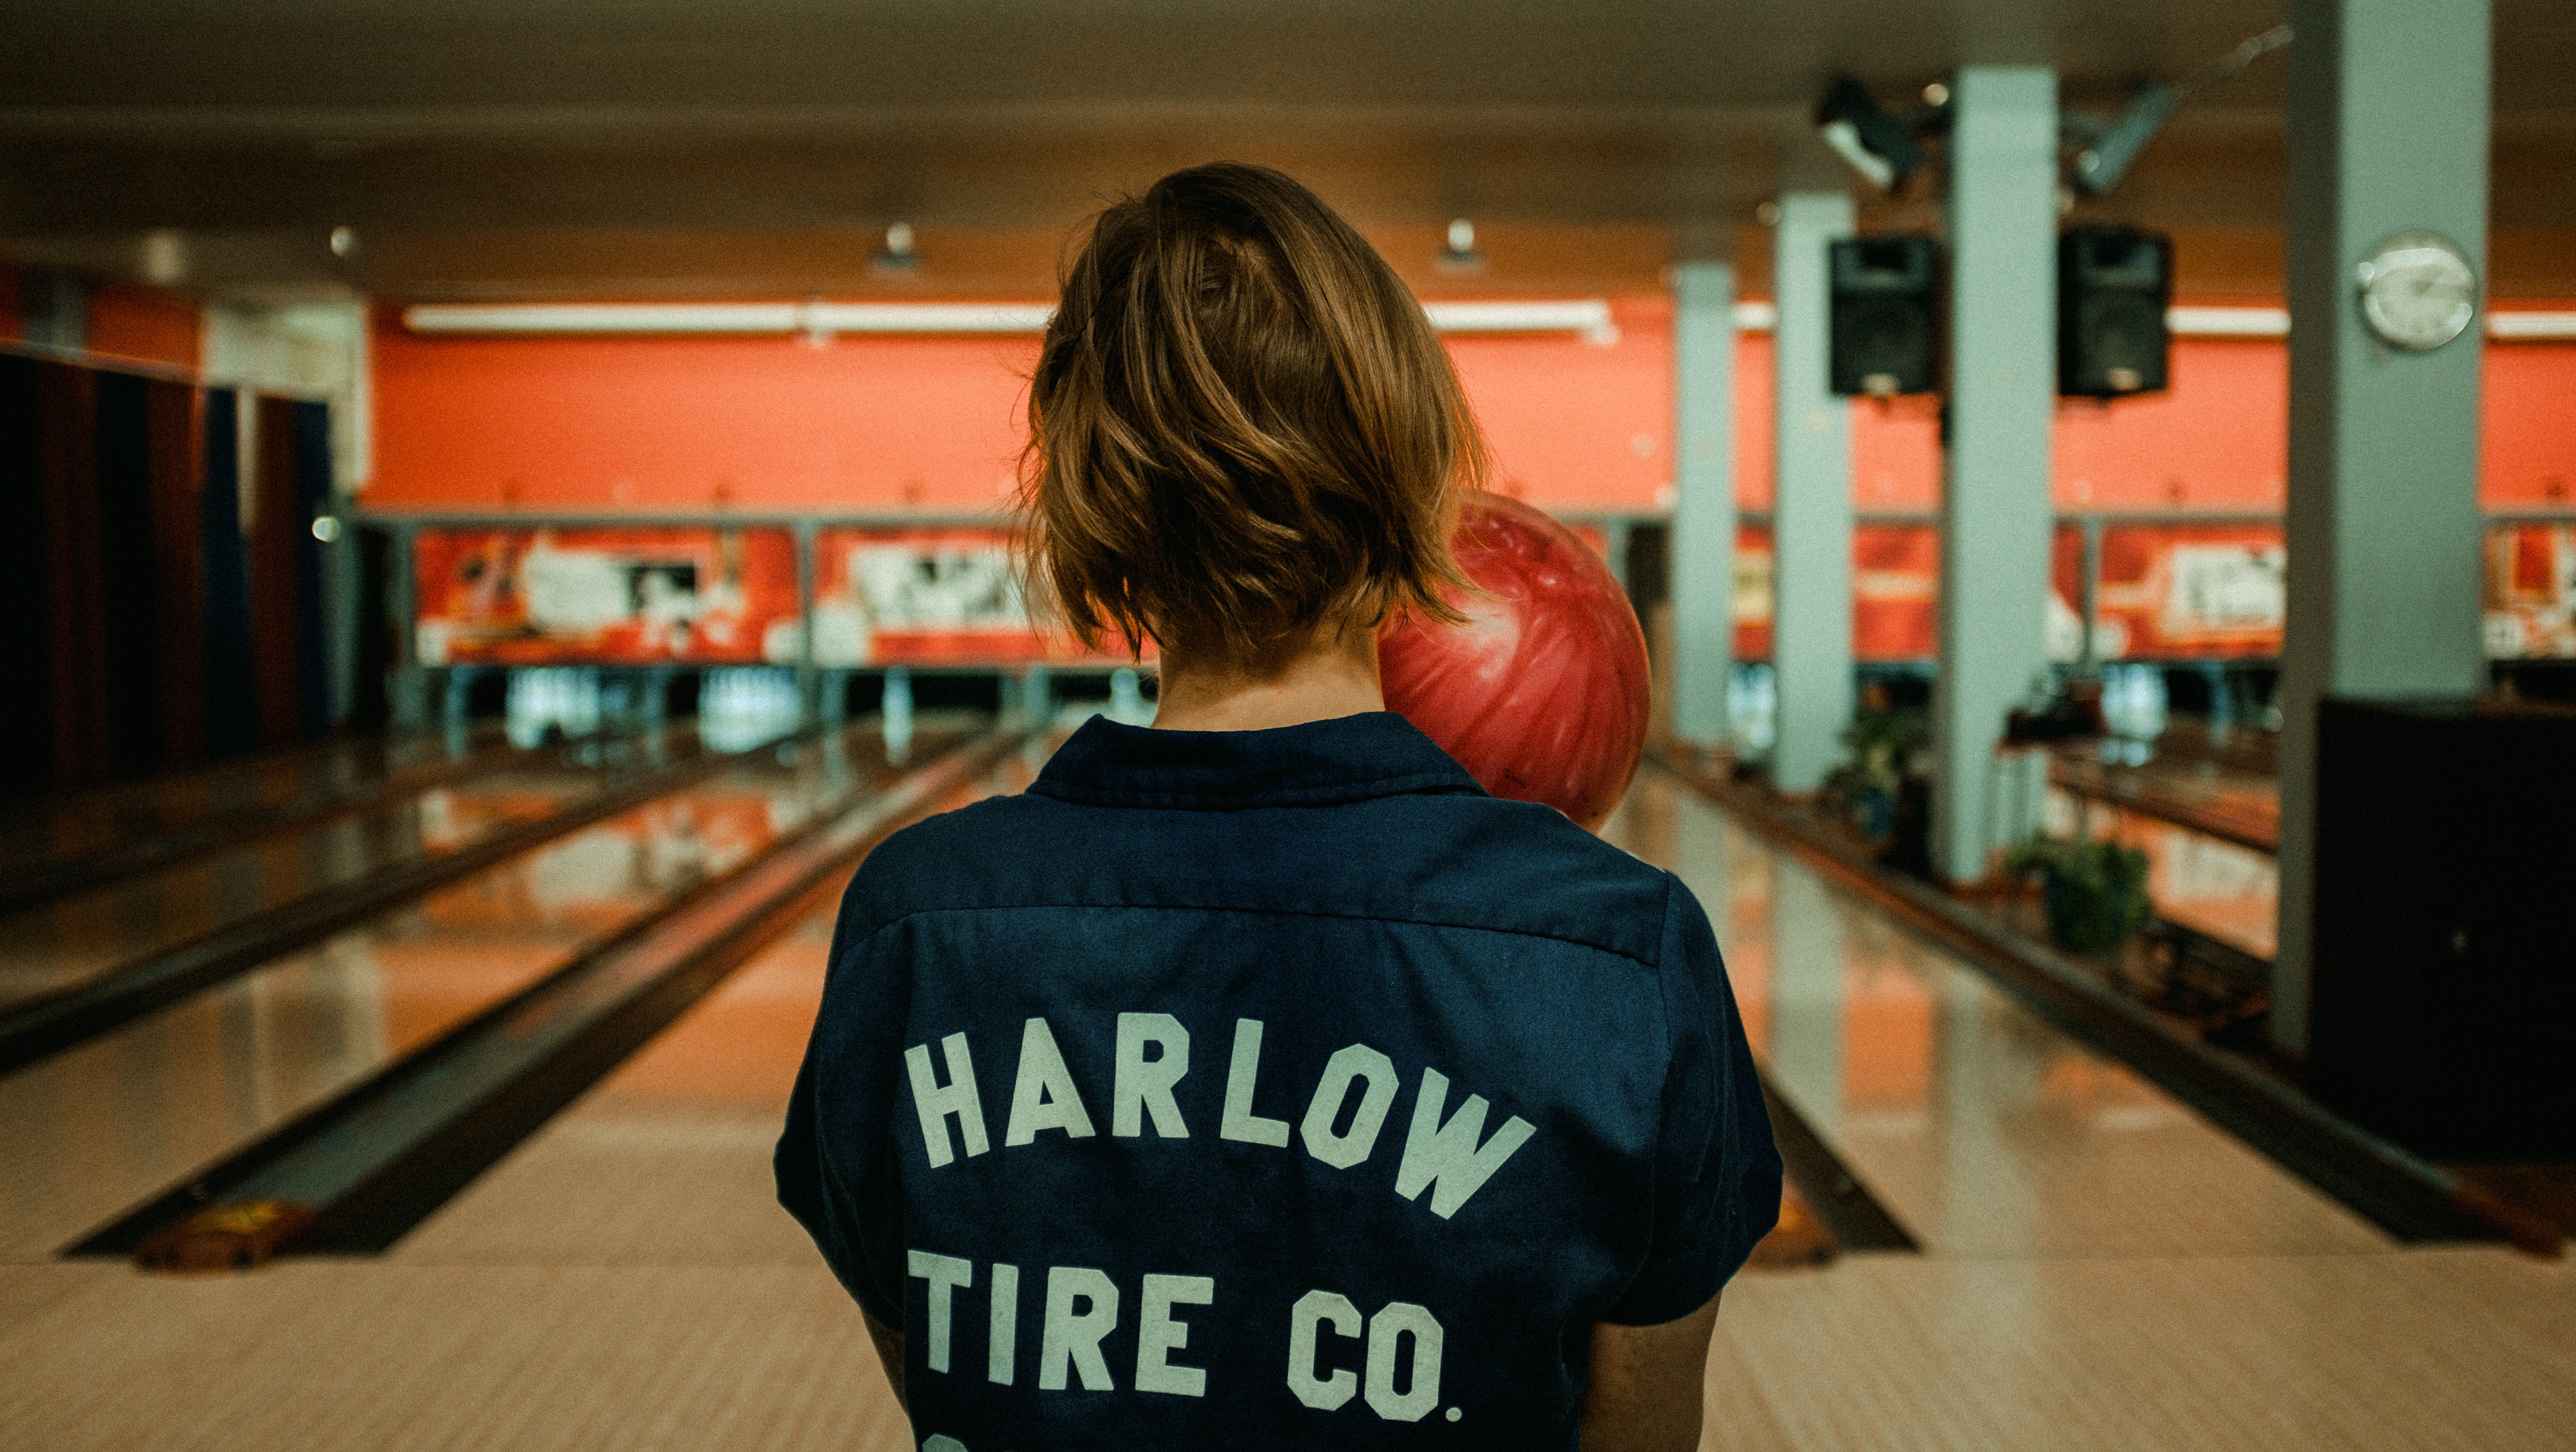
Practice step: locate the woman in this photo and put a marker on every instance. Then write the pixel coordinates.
(1255, 1080)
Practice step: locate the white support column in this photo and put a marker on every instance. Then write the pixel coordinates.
(2003, 393)
(1703, 535)
(1811, 530)
(2389, 118)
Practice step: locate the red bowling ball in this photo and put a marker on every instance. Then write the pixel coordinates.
(1542, 693)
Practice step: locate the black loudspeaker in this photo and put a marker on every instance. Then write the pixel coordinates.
(2443, 992)
(2113, 286)
(1887, 318)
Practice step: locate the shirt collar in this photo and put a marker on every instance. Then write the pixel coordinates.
(1316, 763)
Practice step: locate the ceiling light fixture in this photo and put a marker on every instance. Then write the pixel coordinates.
(897, 254)
(163, 258)
(1460, 255)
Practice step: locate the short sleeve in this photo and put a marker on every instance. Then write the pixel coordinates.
(1717, 1172)
(835, 1161)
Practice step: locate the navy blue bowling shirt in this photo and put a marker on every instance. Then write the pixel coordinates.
(1269, 1089)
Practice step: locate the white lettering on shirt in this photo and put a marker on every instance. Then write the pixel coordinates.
(1145, 1085)
(1342, 1151)
(1043, 1096)
(1002, 1343)
(1446, 1157)
(1451, 1158)
(934, 1104)
(1158, 1335)
(1323, 1393)
(1393, 1322)
(1074, 1337)
(1240, 1122)
(945, 1274)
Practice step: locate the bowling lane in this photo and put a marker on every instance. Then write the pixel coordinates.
(63, 944)
(98, 1128)
(666, 1161)
(40, 832)
(1983, 1129)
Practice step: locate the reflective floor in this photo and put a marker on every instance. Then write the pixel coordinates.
(2247, 802)
(667, 1161)
(62, 944)
(75, 824)
(100, 1127)
(1985, 1131)
(2101, 1267)
(2206, 883)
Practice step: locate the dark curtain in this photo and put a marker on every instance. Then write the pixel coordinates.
(26, 732)
(179, 574)
(232, 712)
(129, 600)
(76, 635)
(311, 426)
(276, 572)
(140, 626)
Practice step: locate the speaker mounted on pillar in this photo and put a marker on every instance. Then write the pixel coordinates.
(1886, 316)
(2113, 286)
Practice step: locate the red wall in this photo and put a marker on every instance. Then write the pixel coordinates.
(2530, 439)
(887, 424)
(1574, 425)
(694, 423)
(146, 323)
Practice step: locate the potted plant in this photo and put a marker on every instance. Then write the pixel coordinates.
(2094, 893)
(1878, 750)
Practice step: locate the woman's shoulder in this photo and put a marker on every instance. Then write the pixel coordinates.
(1460, 859)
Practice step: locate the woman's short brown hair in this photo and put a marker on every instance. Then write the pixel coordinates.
(1241, 426)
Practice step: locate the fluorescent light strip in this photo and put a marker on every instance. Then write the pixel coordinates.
(2228, 322)
(2275, 323)
(2536, 327)
(924, 317)
(1591, 318)
(700, 318)
(621, 318)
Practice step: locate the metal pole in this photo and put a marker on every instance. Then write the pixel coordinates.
(2092, 591)
(1995, 530)
(1811, 536)
(409, 689)
(2390, 107)
(807, 683)
(1701, 554)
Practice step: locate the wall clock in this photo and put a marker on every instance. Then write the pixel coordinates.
(2417, 291)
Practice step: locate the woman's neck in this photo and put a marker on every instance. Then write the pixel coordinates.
(1328, 672)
